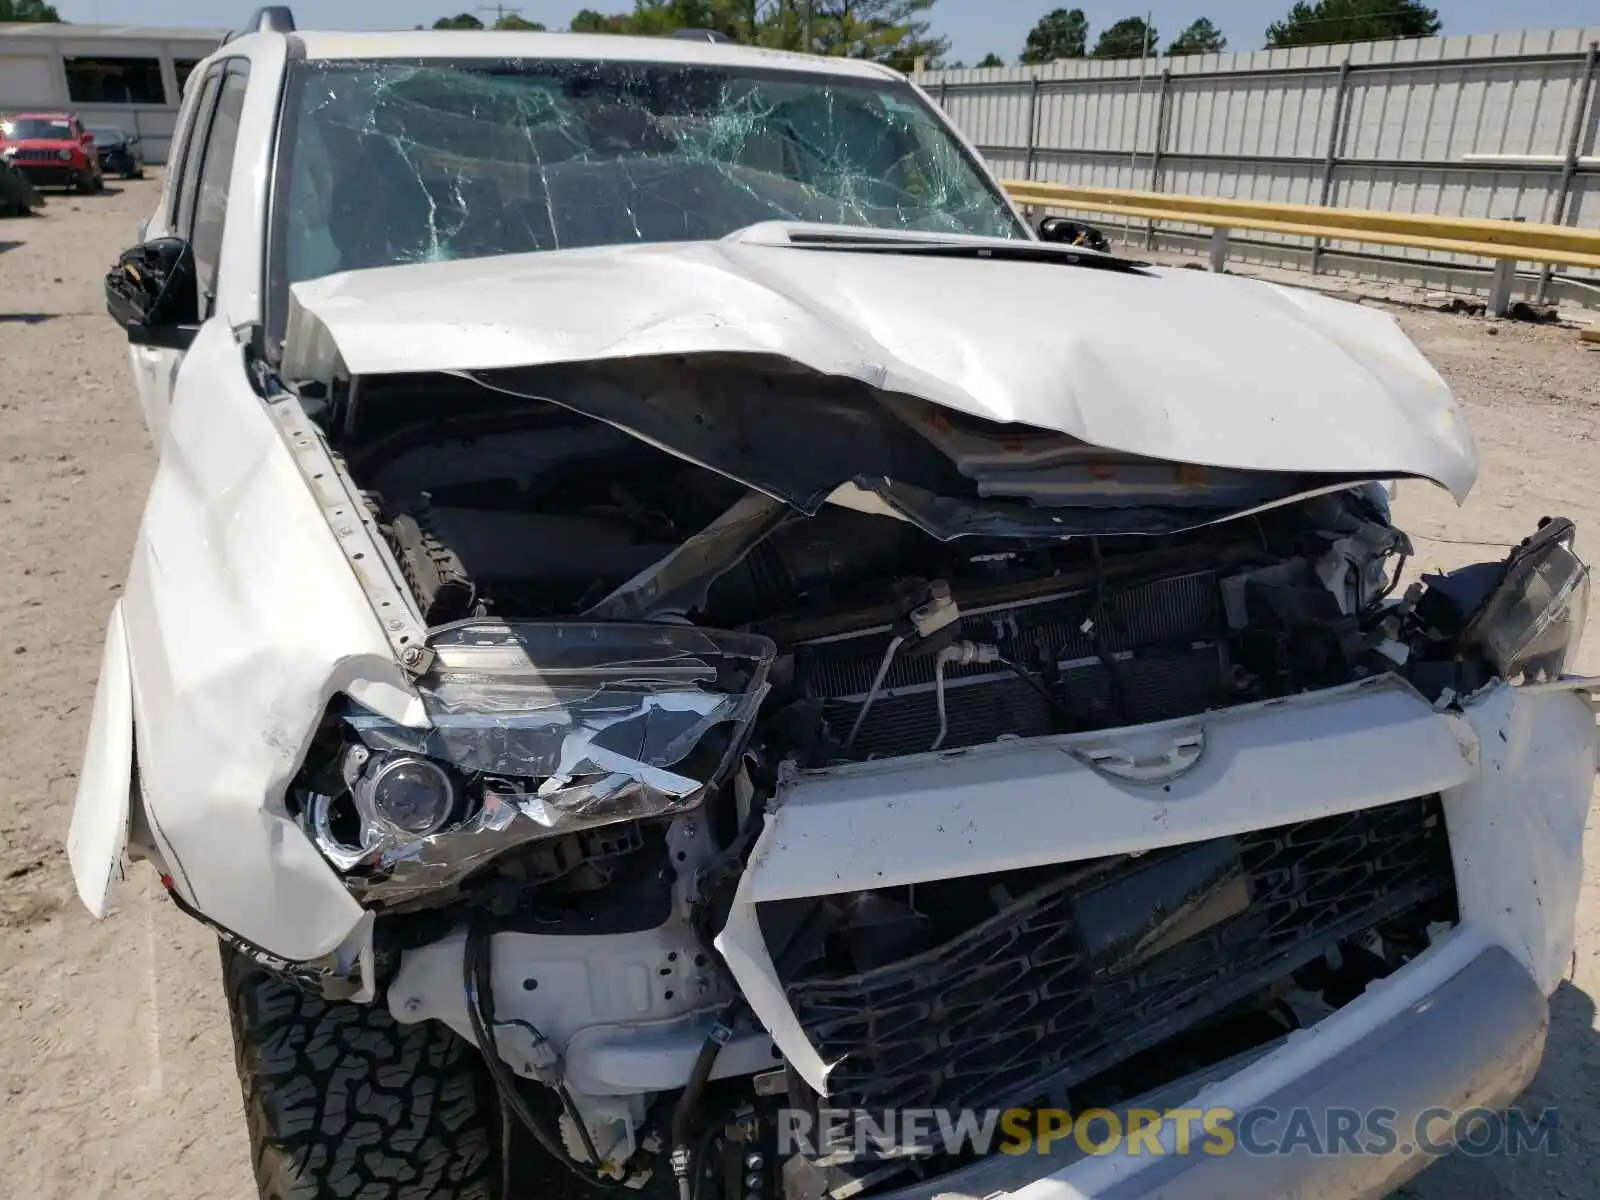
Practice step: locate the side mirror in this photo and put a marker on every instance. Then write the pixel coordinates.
(152, 293)
(1066, 232)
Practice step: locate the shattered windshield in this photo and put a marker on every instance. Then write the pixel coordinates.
(391, 162)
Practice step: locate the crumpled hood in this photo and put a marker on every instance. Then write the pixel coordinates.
(1180, 365)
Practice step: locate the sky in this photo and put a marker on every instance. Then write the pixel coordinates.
(975, 27)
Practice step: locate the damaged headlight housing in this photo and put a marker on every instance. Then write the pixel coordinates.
(1530, 623)
(537, 729)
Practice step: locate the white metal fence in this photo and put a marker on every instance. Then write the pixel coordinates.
(1500, 125)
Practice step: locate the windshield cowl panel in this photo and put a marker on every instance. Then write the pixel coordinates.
(389, 163)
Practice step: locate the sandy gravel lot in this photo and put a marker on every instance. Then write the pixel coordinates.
(115, 1059)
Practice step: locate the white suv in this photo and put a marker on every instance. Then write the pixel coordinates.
(656, 570)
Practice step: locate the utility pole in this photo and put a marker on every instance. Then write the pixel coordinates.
(806, 43)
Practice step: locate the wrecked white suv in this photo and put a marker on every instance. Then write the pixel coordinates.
(657, 572)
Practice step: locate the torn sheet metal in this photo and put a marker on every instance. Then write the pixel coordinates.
(558, 727)
(1179, 366)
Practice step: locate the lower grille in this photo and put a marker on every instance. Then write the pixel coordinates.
(1097, 961)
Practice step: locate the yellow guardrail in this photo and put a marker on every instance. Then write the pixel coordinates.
(1510, 241)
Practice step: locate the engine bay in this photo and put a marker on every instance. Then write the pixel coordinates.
(522, 511)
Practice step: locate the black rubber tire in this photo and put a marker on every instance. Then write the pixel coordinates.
(344, 1101)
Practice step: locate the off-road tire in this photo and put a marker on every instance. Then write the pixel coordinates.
(344, 1101)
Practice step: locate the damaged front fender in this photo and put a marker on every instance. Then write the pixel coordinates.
(242, 620)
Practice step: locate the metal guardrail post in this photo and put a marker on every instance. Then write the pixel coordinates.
(1502, 281)
(1162, 101)
(1331, 160)
(1219, 249)
(1500, 285)
(1569, 169)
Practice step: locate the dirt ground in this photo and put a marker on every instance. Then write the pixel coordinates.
(115, 1057)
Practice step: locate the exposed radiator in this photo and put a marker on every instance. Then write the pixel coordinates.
(1136, 654)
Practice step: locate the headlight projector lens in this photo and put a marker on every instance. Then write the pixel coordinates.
(410, 794)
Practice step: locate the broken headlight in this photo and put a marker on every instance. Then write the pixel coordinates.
(537, 729)
(1532, 619)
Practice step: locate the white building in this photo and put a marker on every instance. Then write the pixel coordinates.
(122, 75)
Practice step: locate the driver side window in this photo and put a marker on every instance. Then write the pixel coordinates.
(208, 170)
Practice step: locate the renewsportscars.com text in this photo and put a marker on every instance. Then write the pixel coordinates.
(846, 1134)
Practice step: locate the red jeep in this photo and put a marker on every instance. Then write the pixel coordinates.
(53, 150)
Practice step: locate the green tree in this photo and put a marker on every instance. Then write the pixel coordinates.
(1063, 33)
(589, 21)
(28, 10)
(894, 32)
(513, 21)
(1326, 21)
(459, 21)
(1202, 37)
(1128, 38)
(739, 19)
(991, 59)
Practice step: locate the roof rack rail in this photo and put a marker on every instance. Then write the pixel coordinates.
(276, 18)
(701, 35)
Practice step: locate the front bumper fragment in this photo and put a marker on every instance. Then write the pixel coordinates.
(1462, 1028)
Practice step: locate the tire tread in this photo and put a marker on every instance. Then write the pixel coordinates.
(344, 1101)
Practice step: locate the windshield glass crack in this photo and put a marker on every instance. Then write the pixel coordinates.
(405, 162)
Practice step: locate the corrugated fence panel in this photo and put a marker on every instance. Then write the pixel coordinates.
(1100, 170)
(1255, 116)
(1393, 131)
(1099, 117)
(1440, 115)
(992, 116)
